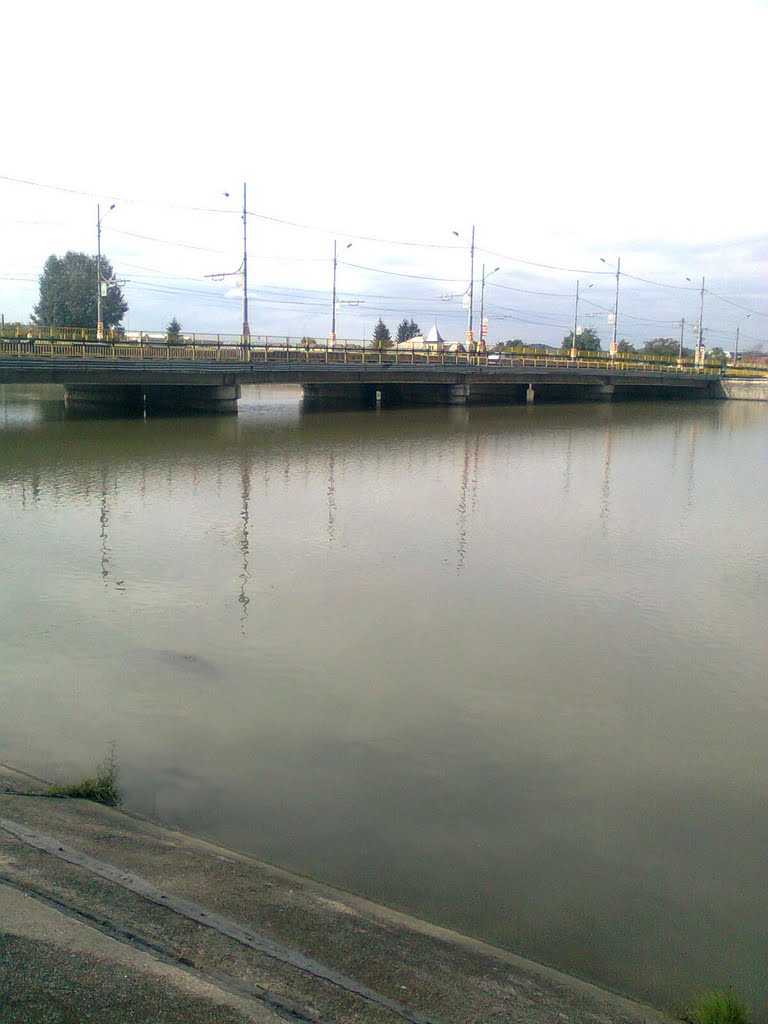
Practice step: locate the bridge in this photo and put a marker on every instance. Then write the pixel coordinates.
(204, 373)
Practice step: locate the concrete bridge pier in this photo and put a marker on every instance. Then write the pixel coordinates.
(425, 394)
(339, 396)
(600, 393)
(192, 398)
(481, 393)
(116, 399)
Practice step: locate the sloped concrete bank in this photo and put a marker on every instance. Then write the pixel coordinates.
(743, 390)
(105, 916)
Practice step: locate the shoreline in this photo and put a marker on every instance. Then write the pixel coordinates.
(303, 948)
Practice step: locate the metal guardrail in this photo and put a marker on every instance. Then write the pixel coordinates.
(80, 343)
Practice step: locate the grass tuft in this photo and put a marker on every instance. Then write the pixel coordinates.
(718, 1008)
(102, 787)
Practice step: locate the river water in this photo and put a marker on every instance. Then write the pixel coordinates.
(503, 668)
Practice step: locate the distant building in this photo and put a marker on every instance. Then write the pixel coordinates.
(434, 342)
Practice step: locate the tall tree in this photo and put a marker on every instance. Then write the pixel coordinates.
(587, 341)
(68, 293)
(381, 336)
(406, 330)
(173, 333)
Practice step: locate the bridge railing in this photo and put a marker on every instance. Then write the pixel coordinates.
(39, 342)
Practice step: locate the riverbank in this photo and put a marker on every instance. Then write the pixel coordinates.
(103, 910)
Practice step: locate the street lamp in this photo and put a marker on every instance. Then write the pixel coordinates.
(738, 325)
(470, 335)
(482, 300)
(100, 284)
(614, 343)
(333, 301)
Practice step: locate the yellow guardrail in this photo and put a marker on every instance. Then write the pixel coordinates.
(24, 341)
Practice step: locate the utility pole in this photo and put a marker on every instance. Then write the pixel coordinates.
(700, 337)
(241, 270)
(682, 334)
(246, 326)
(482, 306)
(614, 343)
(736, 350)
(574, 350)
(333, 297)
(470, 335)
(99, 322)
(99, 281)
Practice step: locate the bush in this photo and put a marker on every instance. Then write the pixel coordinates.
(102, 787)
(719, 1008)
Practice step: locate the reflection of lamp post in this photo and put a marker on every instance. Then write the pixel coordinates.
(333, 301)
(481, 346)
(738, 325)
(614, 343)
(470, 335)
(99, 282)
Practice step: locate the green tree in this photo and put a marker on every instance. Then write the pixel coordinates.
(669, 347)
(381, 336)
(624, 346)
(406, 330)
(587, 341)
(173, 333)
(68, 293)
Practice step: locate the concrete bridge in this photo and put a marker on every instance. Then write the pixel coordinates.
(206, 377)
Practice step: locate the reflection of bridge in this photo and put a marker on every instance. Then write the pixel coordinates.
(206, 374)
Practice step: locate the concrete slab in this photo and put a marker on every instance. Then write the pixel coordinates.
(400, 968)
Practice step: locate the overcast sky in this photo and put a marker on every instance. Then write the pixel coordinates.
(565, 132)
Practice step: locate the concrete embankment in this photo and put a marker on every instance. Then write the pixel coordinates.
(108, 917)
(744, 390)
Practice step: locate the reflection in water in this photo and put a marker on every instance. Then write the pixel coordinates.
(605, 492)
(331, 492)
(690, 476)
(567, 469)
(462, 511)
(104, 523)
(371, 731)
(245, 575)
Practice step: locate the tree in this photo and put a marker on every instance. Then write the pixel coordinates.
(68, 286)
(587, 341)
(173, 333)
(406, 330)
(624, 346)
(381, 336)
(669, 347)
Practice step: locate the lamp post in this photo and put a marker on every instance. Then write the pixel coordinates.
(99, 282)
(470, 334)
(614, 342)
(738, 326)
(482, 300)
(333, 300)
